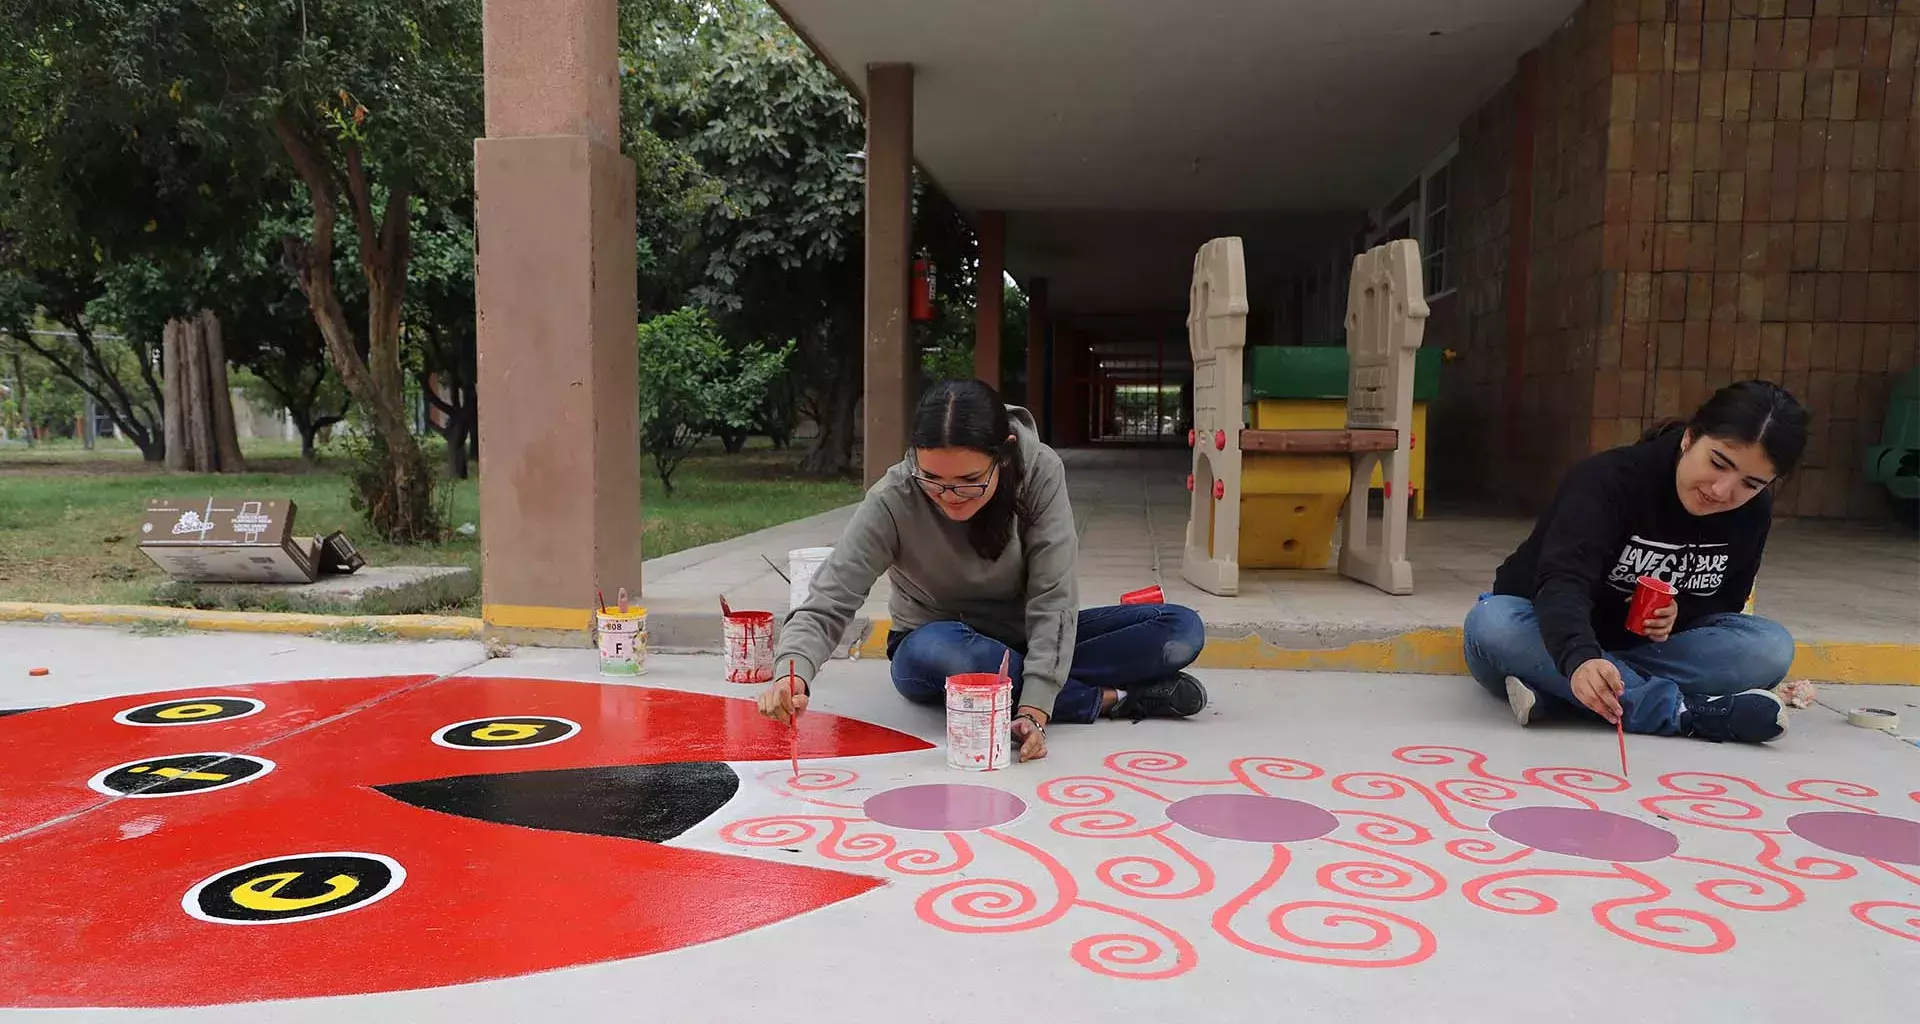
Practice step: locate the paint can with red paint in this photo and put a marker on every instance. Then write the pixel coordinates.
(749, 646)
(979, 721)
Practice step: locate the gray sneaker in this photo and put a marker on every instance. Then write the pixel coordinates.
(1521, 699)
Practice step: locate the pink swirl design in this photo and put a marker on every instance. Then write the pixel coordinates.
(858, 848)
(810, 780)
(932, 862)
(780, 830)
(1378, 928)
(1708, 811)
(1852, 789)
(1491, 893)
(1152, 885)
(1388, 829)
(981, 906)
(1375, 881)
(1152, 766)
(1656, 920)
(1480, 851)
(1756, 885)
(1907, 927)
(1817, 868)
(1476, 792)
(1387, 786)
(1121, 955)
(1574, 783)
(1103, 825)
(1088, 791)
(1245, 768)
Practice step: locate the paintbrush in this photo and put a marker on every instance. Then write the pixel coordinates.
(725, 612)
(775, 568)
(1621, 725)
(793, 724)
(602, 598)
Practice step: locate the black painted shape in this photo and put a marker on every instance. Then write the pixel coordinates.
(649, 802)
(4, 712)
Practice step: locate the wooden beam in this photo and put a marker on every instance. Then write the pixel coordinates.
(1319, 442)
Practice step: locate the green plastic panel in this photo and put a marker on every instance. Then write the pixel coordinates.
(1320, 371)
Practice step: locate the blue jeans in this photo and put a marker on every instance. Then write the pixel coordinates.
(1116, 647)
(1720, 654)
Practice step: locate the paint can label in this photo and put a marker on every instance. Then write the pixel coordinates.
(749, 646)
(622, 640)
(979, 722)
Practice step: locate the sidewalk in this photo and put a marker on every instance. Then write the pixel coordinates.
(1849, 591)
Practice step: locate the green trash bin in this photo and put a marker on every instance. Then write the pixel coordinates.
(1894, 463)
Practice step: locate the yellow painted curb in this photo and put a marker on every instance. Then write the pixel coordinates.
(411, 627)
(1437, 652)
(527, 616)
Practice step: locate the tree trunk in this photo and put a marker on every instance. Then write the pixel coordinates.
(832, 451)
(20, 397)
(206, 457)
(226, 433)
(173, 367)
(306, 442)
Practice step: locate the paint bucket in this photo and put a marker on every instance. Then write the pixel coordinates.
(802, 564)
(622, 639)
(749, 644)
(979, 721)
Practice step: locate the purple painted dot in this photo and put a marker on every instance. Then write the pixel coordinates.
(1252, 819)
(1579, 832)
(1873, 836)
(944, 808)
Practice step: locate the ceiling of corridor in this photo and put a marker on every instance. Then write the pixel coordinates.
(1170, 113)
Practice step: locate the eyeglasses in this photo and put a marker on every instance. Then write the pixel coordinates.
(965, 492)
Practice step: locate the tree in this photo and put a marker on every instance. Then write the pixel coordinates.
(691, 384)
(440, 317)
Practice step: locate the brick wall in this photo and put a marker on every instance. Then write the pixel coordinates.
(1721, 189)
(1777, 140)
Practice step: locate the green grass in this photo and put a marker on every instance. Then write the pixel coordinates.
(69, 517)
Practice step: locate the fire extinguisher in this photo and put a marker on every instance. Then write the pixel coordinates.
(922, 294)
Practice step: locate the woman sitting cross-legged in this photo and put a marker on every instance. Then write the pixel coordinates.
(974, 532)
(1690, 506)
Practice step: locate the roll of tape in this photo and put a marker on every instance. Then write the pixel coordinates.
(1874, 718)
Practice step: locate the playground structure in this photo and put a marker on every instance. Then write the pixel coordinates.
(1271, 498)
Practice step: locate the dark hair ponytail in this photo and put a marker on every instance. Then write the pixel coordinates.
(969, 414)
(1750, 412)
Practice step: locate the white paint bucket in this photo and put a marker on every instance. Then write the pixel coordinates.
(622, 639)
(749, 646)
(802, 564)
(979, 721)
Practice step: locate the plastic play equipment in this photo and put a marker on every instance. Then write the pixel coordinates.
(1894, 463)
(1271, 498)
(1304, 387)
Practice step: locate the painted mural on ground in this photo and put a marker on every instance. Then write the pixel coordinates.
(1346, 884)
(256, 842)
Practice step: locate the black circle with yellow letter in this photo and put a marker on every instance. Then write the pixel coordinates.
(294, 888)
(190, 711)
(179, 774)
(507, 731)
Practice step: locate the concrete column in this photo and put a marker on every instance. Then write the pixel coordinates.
(889, 333)
(558, 375)
(1037, 328)
(989, 305)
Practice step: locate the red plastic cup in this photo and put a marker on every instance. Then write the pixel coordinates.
(1145, 595)
(1649, 596)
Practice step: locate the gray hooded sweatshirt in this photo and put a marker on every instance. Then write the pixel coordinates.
(1026, 599)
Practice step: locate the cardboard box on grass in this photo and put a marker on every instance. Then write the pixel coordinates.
(238, 540)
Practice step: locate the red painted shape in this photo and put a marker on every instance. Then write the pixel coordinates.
(487, 900)
(1190, 437)
(53, 751)
(1189, 481)
(1220, 440)
(1219, 489)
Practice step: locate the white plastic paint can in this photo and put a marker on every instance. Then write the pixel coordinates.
(802, 564)
(622, 639)
(979, 721)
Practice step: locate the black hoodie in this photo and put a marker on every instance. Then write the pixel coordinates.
(1618, 517)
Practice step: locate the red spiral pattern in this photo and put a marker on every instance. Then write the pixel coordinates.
(1387, 786)
(1152, 885)
(1757, 884)
(1660, 929)
(1575, 783)
(1869, 913)
(1378, 928)
(1124, 955)
(1152, 766)
(1388, 829)
(1245, 768)
(1371, 880)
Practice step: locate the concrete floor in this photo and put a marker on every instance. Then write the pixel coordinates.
(788, 901)
(1825, 581)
